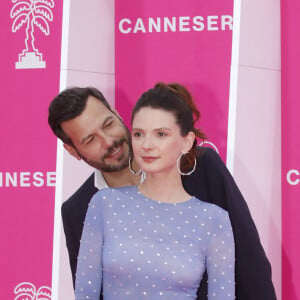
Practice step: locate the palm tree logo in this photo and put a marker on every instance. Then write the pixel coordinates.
(27, 291)
(32, 13)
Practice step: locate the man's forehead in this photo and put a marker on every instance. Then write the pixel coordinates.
(94, 115)
(95, 105)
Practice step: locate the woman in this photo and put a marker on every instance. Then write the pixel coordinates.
(154, 240)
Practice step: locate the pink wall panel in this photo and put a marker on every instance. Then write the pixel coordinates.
(255, 120)
(30, 60)
(87, 60)
(194, 50)
(290, 148)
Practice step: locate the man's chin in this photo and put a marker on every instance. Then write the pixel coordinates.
(113, 168)
(108, 164)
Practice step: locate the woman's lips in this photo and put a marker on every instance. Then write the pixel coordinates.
(149, 159)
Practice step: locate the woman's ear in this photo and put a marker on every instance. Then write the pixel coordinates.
(189, 141)
(72, 151)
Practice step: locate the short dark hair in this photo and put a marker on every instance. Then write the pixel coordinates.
(174, 98)
(68, 105)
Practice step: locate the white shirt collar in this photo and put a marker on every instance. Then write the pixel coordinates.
(100, 182)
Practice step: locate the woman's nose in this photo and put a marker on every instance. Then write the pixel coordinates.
(147, 143)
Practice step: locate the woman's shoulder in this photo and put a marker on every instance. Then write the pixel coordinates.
(111, 197)
(214, 217)
(114, 193)
(211, 209)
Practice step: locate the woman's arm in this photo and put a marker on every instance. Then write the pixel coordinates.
(212, 182)
(220, 258)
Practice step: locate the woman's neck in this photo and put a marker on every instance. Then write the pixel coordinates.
(121, 178)
(164, 188)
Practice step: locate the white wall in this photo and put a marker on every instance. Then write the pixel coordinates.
(254, 149)
(87, 60)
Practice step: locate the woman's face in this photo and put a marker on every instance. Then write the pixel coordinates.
(156, 140)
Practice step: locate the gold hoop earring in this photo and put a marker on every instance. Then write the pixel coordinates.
(131, 169)
(178, 166)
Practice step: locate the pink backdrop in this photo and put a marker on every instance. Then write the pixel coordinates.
(290, 148)
(194, 50)
(27, 151)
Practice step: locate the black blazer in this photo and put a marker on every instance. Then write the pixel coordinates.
(213, 183)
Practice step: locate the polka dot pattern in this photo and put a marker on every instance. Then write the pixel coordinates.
(139, 248)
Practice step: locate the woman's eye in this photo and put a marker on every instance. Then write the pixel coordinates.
(137, 134)
(160, 133)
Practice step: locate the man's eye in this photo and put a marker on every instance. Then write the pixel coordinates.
(90, 140)
(108, 125)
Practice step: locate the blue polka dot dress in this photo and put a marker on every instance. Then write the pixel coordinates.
(139, 248)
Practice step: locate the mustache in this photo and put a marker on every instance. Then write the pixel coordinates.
(116, 144)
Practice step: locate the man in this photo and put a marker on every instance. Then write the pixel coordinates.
(91, 130)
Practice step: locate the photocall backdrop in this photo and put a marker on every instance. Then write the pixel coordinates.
(290, 25)
(30, 33)
(191, 45)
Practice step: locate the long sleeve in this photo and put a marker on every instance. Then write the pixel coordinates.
(89, 268)
(212, 182)
(220, 260)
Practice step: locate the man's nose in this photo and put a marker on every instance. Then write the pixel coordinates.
(106, 140)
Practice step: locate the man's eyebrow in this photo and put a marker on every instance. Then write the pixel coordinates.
(106, 120)
(84, 139)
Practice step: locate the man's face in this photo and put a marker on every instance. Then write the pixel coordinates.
(100, 138)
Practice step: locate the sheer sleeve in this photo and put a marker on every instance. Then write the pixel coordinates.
(89, 267)
(220, 259)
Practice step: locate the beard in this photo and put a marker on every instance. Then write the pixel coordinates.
(121, 162)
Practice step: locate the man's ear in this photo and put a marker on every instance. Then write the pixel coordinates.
(189, 141)
(72, 151)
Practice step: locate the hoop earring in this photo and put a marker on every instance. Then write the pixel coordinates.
(131, 169)
(178, 166)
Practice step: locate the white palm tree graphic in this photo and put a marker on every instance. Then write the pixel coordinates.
(33, 13)
(27, 291)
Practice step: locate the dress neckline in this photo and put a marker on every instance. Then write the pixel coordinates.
(162, 202)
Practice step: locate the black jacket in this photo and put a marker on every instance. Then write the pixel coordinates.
(213, 183)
